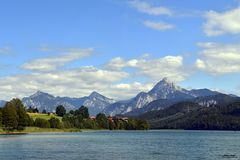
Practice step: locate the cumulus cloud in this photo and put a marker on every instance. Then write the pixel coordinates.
(219, 59)
(147, 8)
(46, 74)
(161, 26)
(52, 63)
(222, 23)
(119, 63)
(169, 66)
(156, 69)
(74, 82)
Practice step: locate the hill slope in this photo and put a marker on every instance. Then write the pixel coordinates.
(192, 115)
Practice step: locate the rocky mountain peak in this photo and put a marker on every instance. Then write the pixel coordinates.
(95, 94)
(165, 86)
(41, 94)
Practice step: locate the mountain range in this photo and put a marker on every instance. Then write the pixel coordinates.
(95, 102)
(162, 95)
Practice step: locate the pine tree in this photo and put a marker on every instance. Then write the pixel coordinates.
(9, 117)
(21, 112)
(0, 117)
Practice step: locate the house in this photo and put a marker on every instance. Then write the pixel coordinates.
(93, 118)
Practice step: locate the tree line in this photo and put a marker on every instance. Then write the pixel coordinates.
(191, 116)
(14, 116)
(80, 119)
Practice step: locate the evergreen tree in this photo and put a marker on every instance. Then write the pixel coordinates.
(60, 111)
(102, 121)
(9, 117)
(21, 112)
(0, 117)
(82, 111)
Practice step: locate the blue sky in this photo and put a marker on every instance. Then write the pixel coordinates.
(117, 47)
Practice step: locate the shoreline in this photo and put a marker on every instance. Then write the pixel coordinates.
(36, 130)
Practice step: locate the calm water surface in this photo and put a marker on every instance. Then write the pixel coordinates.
(123, 145)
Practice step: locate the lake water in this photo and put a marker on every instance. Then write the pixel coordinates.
(123, 145)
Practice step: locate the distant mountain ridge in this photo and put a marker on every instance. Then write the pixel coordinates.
(162, 95)
(95, 102)
(164, 92)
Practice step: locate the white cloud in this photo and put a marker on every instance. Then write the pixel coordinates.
(161, 26)
(119, 63)
(147, 8)
(129, 90)
(155, 69)
(219, 59)
(52, 63)
(168, 66)
(47, 75)
(222, 23)
(74, 82)
(200, 64)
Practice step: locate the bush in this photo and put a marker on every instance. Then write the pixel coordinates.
(89, 124)
(55, 123)
(41, 123)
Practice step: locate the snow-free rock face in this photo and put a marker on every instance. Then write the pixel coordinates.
(95, 102)
(163, 90)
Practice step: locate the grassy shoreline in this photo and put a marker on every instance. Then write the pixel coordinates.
(32, 130)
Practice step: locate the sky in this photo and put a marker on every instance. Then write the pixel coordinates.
(117, 47)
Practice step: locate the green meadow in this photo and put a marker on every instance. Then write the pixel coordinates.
(43, 116)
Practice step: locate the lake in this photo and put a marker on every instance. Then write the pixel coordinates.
(123, 145)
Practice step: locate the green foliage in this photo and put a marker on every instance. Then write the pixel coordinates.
(102, 121)
(42, 123)
(13, 116)
(119, 124)
(137, 124)
(89, 124)
(44, 116)
(142, 125)
(55, 123)
(0, 117)
(23, 117)
(32, 110)
(68, 120)
(132, 124)
(30, 121)
(78, 119)
(60, 111)
(73, 121)
(215, 117)
(112, 125)
(10, 117)
(82, 111)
